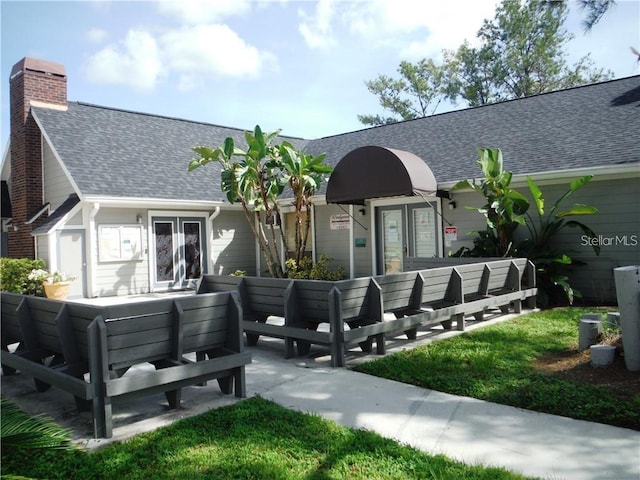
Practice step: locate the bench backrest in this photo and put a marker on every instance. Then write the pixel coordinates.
(209, 322)
(308, 301)
(148, 331)
(263, 296)
(37, 319)
(217, 283)
(436, 285)
(397, 290)
(9, 323)
(360, 299)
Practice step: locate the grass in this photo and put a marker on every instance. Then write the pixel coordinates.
(253, 439)
(496, 363)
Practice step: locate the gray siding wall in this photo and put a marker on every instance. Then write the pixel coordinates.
(120, 278)
(464, 219)
(618, 228)
(333, 243)
(56, 184)
(362, 229)
(617, 224)
(233, 246)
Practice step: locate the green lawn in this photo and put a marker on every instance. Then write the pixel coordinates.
(495, 363)
(253, 439)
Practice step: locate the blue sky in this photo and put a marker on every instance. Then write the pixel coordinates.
(295, 65)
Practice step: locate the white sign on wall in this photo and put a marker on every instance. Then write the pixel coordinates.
(339, 222)
(450, 235)
(119, 243)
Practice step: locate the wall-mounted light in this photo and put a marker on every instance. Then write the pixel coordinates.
(363, 211)
(452, 205)
(138, 218)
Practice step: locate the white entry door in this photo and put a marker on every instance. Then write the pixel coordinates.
(72, 260)
(178, 251)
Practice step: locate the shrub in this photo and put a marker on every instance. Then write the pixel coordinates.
(306, 269)
(14, 275)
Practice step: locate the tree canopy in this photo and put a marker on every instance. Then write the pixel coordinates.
(521, 52)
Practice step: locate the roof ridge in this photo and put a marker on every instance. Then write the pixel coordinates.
(168, 117)
(486, 105)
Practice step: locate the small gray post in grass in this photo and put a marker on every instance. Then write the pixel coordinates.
(628, 292)
(589, 329)
(613, 319)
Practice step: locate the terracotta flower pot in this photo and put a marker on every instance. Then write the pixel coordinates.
(56, 291)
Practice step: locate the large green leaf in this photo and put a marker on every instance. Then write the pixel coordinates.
(463, 185)
(536, 194)
(578, 209)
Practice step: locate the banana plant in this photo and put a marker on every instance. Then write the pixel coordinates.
(551, 263)
(257, 177)
(505, 207)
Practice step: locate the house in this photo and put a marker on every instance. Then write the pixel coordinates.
(104, 194)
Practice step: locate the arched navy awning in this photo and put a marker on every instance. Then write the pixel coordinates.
(377, 172)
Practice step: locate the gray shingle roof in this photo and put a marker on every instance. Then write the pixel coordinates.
(127, 154)
(120, 153)
(582, 127)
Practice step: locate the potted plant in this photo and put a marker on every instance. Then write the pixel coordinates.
(55, 284)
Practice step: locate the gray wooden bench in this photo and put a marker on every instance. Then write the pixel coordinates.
(355, 304)
(107, 342)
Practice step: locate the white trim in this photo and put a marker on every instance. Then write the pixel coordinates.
(44, 135)
(138, 202)
(90, 241)
(607, 172)
(352, 259)
(50, 106)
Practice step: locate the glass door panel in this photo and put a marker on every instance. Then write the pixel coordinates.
(179, 251)
(392, 239)
(423, 232)
(163, 233)
(192, 250)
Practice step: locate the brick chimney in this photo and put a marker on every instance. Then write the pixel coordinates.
(32, 82)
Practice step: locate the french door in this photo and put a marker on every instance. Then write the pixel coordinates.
(179, 251)
(402, 231)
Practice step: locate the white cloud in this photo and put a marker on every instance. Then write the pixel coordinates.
(134, 62)
(211, 50)
(96, 35)
(415, 29)
(196, 12)
(316, 29)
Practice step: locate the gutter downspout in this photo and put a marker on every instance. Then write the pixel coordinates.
(212, 217)
(91, 284)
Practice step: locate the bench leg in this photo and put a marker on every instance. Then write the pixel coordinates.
(337, 352)
(381, 347)
(240, 383)
(460, 324)
(446, 324)
(517, 306)
(504, 309)
(290, 348)
(174, 397)
(479, 316)
(367, 345)
(412, 333)
(303, 347)
(226, 384)
(531, 302)
(252, 338)
(102, 420)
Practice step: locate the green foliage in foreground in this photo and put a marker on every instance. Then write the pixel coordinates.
(253, 439)
(496, 363)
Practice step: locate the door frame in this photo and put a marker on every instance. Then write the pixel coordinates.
(407, 205)
(177, 219)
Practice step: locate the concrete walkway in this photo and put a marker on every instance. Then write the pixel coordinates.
(473, 431)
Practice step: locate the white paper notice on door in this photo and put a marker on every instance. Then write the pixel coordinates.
(450, 235)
